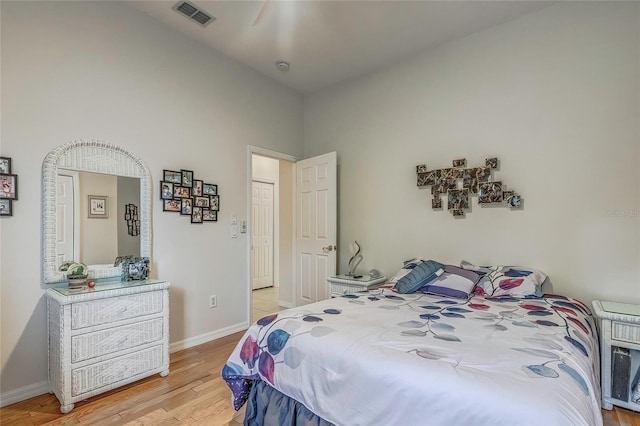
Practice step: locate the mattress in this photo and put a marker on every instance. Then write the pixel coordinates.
(381, 359)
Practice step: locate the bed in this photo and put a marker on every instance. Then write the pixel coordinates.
(384, 358)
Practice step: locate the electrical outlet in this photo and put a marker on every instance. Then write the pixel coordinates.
(213, 301)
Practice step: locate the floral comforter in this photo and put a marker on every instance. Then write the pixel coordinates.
(414, 359)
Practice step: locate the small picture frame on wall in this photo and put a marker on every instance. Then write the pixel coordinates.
(214, 203)
(197, 188)
(9, 186)
(172, 176)
(98, 207)
(460, 162)
(6, 207)
(171, 206)
(187, 178)
(5, 165)
(209, 215)
(181, 192)
(209, 189)
(490, 192)
(196, 215)
(491, 162)
(201, 202)
(186, 206)
(166, 190)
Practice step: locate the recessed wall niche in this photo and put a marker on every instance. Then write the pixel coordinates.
(459, 183)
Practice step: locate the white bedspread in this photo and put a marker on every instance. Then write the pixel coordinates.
(426, 360)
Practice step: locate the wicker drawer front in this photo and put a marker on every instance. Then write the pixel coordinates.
(91, 345)
(102, 311)
(108, 372)
(625, 332)
(346, 288)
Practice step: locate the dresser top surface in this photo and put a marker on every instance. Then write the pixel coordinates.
(617, 311)
(106, 289)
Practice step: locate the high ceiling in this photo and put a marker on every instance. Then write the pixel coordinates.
(330, 41)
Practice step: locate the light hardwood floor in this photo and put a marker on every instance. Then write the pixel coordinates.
(192, 394)
(265, 302)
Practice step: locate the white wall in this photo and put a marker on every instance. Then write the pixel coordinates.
(103, 70)
(98, 236)
(555, 95)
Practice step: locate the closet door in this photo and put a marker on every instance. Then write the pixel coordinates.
(262, 227)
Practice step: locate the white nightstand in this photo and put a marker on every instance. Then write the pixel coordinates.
(619, 332)
(342, 284)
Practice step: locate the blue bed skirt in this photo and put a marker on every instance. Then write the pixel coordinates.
(266, 406)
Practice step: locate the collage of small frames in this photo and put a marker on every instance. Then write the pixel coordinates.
(183, 194)
(133, 222)
(475, 180)
(8, 187)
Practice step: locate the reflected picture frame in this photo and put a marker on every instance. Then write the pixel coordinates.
(98, 207)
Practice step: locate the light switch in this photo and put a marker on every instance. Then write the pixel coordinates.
(234, 218)
(234, 231)
(243, 227)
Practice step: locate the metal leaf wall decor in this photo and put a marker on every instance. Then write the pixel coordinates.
(459, 183)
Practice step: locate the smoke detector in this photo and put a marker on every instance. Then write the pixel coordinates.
(194, 13)
(282, 65)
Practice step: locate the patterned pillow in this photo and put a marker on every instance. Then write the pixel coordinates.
(419, 276)
(454, 282)
(515, 281)
(406, 268)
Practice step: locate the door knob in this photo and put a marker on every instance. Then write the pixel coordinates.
(329, 248)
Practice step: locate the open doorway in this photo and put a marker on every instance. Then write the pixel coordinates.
(271, 217)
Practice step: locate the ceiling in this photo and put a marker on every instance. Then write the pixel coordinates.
(330, 41)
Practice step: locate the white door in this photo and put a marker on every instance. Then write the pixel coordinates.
(316, 233)
(262, 238)
(66, 221)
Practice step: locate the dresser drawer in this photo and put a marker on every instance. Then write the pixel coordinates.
(91, 345)
(105, 373)
(625, 332)
(102, 311)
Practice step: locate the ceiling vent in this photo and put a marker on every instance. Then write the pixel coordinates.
(192, 12)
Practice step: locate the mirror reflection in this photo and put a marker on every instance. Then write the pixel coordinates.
(87, 237)
(95, 239)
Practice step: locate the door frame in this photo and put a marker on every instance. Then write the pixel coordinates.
(256, 150)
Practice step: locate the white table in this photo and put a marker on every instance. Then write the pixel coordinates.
(340, 285)
(619, 328)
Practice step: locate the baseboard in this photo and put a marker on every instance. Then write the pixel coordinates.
(285, 304)
(23, 393)
(207, 337)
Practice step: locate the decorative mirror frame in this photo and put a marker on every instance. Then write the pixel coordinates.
(98, 157)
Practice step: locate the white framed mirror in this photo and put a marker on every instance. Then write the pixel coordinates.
(98, 157)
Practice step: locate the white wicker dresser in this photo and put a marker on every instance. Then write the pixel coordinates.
(106, 337)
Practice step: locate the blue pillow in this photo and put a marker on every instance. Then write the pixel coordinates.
(419, 276)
